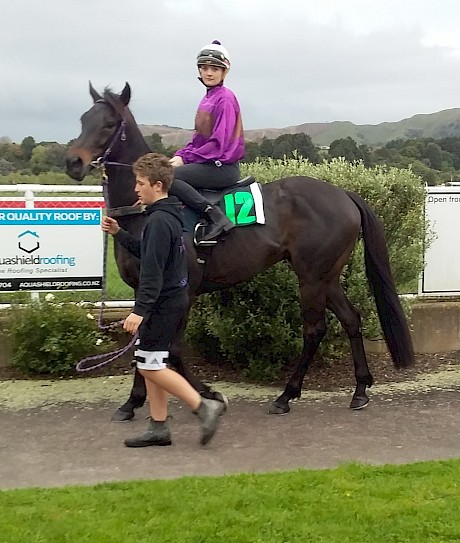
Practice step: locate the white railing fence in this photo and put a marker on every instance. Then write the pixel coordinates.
(441, 276)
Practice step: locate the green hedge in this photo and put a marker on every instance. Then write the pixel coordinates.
(254, 328)
(50, 336)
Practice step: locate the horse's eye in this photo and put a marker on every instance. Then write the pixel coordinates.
(111, 125)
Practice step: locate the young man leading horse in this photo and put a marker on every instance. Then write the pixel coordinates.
(161, 301)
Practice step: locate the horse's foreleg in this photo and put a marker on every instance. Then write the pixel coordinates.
(293, 389)
(136, 399)
(350, 319)
(314, 328)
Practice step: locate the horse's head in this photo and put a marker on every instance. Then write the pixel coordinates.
(101, 126)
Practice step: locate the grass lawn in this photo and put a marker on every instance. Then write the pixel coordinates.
(416, 503)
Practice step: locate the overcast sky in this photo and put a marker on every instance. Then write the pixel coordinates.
(293, 61)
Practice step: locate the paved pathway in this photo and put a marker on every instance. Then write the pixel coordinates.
(74, 443)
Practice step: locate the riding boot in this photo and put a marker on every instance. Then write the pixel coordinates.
(157, 433)
(220, 222)
(208, 414)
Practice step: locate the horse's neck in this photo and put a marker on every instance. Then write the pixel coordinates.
(121, 178)
(137, 145)
(133, 224)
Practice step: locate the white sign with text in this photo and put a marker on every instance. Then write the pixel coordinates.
(441, 275)
(50, 249)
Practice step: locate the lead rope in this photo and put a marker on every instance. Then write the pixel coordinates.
(84, 364)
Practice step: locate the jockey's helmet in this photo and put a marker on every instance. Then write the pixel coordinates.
(214, 54)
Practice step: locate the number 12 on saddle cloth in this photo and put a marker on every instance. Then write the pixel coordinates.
(244, 206)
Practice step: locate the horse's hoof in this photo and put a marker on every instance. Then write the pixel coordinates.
(122, 416)
(359, 402)
(277, 409)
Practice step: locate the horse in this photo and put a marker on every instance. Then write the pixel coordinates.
(310, 223)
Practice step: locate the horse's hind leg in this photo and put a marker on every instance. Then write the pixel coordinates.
(350, 319)
(314, 327)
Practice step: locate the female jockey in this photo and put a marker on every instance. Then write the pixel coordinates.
(211, 159)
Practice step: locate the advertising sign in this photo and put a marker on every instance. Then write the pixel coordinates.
(441, 275)
(50, 249)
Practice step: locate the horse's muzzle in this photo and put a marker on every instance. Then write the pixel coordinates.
(75, 169)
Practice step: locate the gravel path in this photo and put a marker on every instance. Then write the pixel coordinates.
(56, 433)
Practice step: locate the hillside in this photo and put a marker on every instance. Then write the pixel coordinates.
(433, 125)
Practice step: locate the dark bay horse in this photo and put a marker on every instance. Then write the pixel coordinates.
(309, 223)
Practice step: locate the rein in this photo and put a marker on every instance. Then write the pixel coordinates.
(85, 364)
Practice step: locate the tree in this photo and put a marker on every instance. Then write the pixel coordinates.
(304, 146)
(155, 143)
(12, 152)
(55, 156)
(434, 155)
(413, 148)
(396, 144)
(282, 146)
(38, 163)
(366, 156)
(251, 151)
(27, 146)
(427, 174)
(47, 157)
(6, 167)
(266, 148)
(346, 148)
(288, 145)
(171, 150)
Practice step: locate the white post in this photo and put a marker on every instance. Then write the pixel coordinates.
(29, 198)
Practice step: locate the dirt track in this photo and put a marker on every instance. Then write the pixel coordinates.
(49, 443)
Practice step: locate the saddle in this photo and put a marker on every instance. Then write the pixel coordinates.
(242, 203)
(213, 196)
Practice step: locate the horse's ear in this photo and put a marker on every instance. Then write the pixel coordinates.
(125, 95)
(94, 94)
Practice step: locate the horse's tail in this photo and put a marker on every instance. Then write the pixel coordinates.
(378, 271)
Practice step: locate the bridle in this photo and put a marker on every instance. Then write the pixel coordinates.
(91, 363)
(102, 162)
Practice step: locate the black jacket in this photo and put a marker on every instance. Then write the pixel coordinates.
(161, 249)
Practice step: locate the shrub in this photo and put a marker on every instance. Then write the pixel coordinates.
(249, 326)
(50, 337)
(257, 325)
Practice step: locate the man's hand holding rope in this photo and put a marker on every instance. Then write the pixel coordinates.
(109, 225)
(132, 323)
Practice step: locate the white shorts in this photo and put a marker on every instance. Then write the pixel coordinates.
(151, 360)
